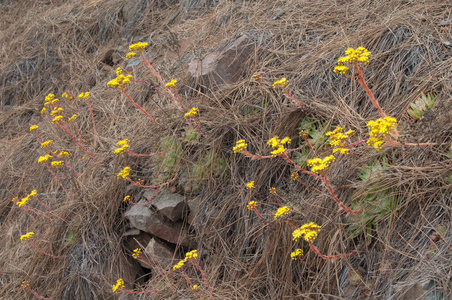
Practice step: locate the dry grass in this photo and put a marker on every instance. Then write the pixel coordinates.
(53, 46)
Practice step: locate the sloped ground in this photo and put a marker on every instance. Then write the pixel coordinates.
(404, 235)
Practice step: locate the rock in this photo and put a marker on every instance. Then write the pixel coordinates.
(159, 254)
(180, 48)
(194, 206)
(170, 205)
(223, 67)
(146, 220)
(426, 290)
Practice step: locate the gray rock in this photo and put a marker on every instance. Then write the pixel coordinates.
(170, 205)
(159, 254)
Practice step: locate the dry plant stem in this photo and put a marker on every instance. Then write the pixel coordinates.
(189, 282)
(143, 292)
(277, 198)
(137, 105)
(26, 211)
(54, 176)
(180, 101)
(38, 213)
(42, 203)
(291, 97)
(145, 155)
(150, 85)
(36, 294)
(290, 224)
(200, 130)
(330, 189)
(246, 153)
(203, 276)
(258, 214)
(76, 141)
(92, 116)
(152, 186)
(371, 96)
(39, 249)
(316, 251)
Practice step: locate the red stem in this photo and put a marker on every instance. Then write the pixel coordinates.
(145, 155)
(36, 294)
(42, 203)
(54, 176)
(291, 97)
(200, 130)
(152, 186)
(363, 83)
(203, 276)
(330, 189)
(316, 251)
(137, 105)
(39, 249)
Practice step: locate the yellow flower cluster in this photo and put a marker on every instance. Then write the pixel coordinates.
(65, 95)
(352, 56)
(192, 112)
(138, 46)
(123, 146)
(250, 185)
(130, 55)
(252, 205)
(73, 118)
(56, 111)
(318, 164)
(195, 287)
(25, 284)
(281, 212)
(34, 127)
(46, 144)
(63, 153)
(23, 201)
(57, 164)
(43, 110)
(50, 100)
(279, 146)
(379, 129)
(124, 173)
(308, 232)
(27, 237)
(272, 190)
(337, 139)
(119, 285)
(84, 95)
(297, 253)
(189, 255)
(240, 146)
(44, 158)
(294, 176)
(257, 77)
(120, 80)
(171, 84)
(136, 253)
(280, 83)
(57, 119)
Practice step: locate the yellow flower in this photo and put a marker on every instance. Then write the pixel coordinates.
(43, 110)
(120, 79)
(44, 158)
(63, 153)
(379, 129)
(56, 111)
(49, 98)
(308, 232)
(352, 56)
(138, 46)
(57, 164)
(130, 55)
(46, 144)
(65, 95)
(240, 146)
(136, 253)
(171, 84)
(195, 287)
(252, 205)
(280, 83)
(318, 164)
(84, 95)
(273, 190)
(297, 253)
(126, 198)
(73, 118)
(119, 285)
(274, 141)
(337, 139)
(34, 127)
(191, 255)
(33, 193)
(294, 176)
(123, 142)
(192, 112)
(124, 173)
(257, 77)
(57, 119)
(282, 211)
(179, 265)
(23, 201)
(280, 150)
(278, 145)
(27, 237)
(250, 185)
(54, 101)
(124, 146)
(25, 284)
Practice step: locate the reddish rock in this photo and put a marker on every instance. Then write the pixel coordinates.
(170, 205)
